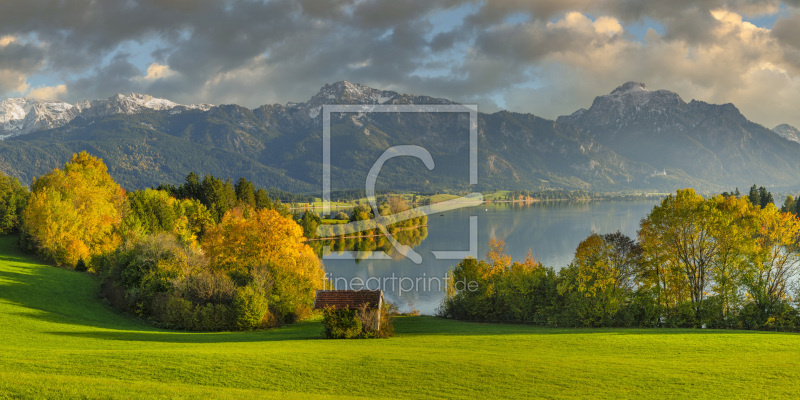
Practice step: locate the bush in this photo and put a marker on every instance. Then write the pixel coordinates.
(363, 322)
(249, 308)
(80, 266)
(341, 323)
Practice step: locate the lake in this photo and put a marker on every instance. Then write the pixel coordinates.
(551, 231)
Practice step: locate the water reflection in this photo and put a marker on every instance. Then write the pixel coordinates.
(551, 231)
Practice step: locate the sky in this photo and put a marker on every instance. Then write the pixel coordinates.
(546, 57)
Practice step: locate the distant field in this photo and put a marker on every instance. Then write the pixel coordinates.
(58, 340)
(438, 198)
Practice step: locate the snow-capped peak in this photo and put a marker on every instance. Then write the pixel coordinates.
(788, 132)
(634, 97)
(630, 87)
(137, 102)
(21, 115)
(344, 92)
(354, 93)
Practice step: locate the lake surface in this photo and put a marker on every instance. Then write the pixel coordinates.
(551, 231)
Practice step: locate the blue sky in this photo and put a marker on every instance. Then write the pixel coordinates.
(547, 57)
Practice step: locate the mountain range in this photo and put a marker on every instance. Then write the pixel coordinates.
(632, 139)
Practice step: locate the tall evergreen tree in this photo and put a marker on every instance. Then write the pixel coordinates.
(217, 196)
(245, 192)
(764, 197)
(262, 199)
(755, 198)
(192, 188)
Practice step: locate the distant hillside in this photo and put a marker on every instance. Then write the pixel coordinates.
(632, 139)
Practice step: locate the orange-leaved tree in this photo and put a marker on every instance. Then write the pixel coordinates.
(73, 213)
(248, 239)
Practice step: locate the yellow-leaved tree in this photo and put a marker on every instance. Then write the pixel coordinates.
(73, 213)
(248, 239)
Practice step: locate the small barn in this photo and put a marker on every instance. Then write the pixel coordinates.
(350, 300)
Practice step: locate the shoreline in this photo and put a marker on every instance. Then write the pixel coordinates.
(365, 236)
(526, 201)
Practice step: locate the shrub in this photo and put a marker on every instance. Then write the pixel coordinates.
(340, 323)
(249, 308)
(80, 266)
(207, 287)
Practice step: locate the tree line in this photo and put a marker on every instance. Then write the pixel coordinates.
(721, 262)
(204, 255)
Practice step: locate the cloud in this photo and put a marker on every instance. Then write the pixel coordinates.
(6, 40)
(549, 57)
(158, 71)
(48, 92)
(12, 82)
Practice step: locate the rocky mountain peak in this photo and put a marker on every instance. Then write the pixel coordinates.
(628, 103)
(350, 93)
(21, 115)
(628, 87)
(788, 132)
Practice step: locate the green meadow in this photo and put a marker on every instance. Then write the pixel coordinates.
(59, 340)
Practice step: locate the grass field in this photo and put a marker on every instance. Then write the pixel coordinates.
(58, 340)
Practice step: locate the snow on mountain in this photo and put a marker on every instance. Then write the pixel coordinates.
(788, 132)
(19, 116)
(629, 104)
(344, 92)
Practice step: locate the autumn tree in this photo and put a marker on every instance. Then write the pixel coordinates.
(497, 257)
(734, 233)
(685, 242)
(73, 213)
(247, 239)
(776, 259)
(600, 278)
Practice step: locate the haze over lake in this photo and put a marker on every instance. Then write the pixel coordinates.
(551, 231)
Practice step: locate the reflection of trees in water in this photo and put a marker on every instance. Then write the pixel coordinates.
(410, 233)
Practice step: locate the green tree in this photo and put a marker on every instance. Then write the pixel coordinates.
(245, 192)
(754, 196)
(219, 196)
(262, 199)
(765, 197)
(13, 198)
(686, 241)
(599, 280)
(789, 205)
(151, 211)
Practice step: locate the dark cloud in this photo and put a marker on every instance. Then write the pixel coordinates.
(22, 57)
(253, 52)
(787, 30)
(118, 76)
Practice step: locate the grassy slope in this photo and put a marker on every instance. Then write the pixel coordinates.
(57, 340)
